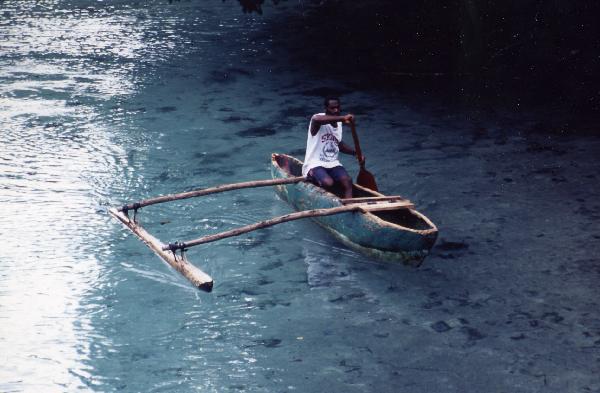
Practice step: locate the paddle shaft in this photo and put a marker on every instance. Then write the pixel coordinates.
(356, 144)
(364, 178)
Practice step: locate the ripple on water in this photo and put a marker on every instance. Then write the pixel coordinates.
(92, 118)
(60, 162)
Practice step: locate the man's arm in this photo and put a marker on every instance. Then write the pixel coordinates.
(318, 120)
(344, 148)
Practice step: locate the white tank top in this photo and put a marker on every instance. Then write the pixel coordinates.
(322, 148)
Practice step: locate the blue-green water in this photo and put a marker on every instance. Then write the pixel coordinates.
(103, 103)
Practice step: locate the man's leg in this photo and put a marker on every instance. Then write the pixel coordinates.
(320, 176)
(341, 177)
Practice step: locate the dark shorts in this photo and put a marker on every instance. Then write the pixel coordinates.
(319, 175)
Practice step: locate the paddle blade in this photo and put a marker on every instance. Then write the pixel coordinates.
(366, 179)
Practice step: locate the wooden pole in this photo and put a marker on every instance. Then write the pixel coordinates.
(212, 190)
(196, 276)
(263, 224)
(364, 178)
(374, 199)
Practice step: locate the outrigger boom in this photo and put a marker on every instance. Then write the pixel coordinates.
(367, 206)
(207, 191)
(196, 276)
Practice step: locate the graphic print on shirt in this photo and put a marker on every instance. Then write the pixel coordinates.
(330, 148)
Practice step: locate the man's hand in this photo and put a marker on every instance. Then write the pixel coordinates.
(349, 118)
(361, 160)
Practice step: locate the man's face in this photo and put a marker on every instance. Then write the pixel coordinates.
(333, 108)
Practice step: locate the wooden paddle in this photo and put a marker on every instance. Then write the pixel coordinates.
(364, 178)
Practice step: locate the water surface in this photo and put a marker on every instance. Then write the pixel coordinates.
(106, 103)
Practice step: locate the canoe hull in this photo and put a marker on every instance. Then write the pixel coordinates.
(367, 233)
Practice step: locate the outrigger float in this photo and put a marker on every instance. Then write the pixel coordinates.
(384, 227)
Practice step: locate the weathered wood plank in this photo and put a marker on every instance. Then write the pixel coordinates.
(263, 224)
(347, 201)
(380, 206)
(196, 276)
(211, 190)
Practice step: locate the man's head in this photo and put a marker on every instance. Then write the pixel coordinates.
(332, 106)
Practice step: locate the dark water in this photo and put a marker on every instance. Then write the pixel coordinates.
(103, 103)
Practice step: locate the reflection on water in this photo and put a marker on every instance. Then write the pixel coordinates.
(60, 160)
(87, 120)
(323, 265)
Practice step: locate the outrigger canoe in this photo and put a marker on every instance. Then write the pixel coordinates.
(395, 231)
(387, 227)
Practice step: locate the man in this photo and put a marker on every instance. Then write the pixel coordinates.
(323, 144)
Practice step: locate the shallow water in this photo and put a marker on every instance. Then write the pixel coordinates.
(103, 104)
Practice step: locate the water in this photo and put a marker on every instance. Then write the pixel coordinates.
(103, 103)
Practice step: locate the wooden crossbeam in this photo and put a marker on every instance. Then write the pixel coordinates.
(383, 205)
(211, 190)
(262, 224)
(347, 201)
(364, 207)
